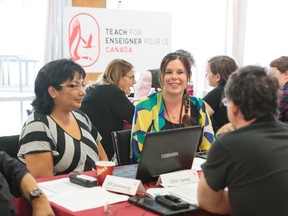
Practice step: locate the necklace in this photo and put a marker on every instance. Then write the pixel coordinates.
(173, 115)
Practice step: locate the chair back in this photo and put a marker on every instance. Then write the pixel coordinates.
(10, 144)
(121, 143)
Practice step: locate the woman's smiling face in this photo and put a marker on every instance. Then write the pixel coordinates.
(175, 78)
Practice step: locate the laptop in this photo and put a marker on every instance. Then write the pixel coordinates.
(163, 152)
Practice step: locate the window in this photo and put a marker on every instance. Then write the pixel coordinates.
(266, 31)
(23, 27)
(22, 40)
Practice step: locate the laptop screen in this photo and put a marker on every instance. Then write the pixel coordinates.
(167, 151)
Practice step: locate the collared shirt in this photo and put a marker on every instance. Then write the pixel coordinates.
(143, 86)
(147, 84)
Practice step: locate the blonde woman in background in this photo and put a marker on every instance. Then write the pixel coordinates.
(106, 102)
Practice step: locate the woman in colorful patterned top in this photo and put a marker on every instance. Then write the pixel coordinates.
(172, 107)
(279, 68)
(57, 138)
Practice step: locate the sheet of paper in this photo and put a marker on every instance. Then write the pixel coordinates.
(77, 198)
(197, 162)
(187, 192)
(153, 192)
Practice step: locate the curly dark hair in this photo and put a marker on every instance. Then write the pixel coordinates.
(53, 74)
(254, 91)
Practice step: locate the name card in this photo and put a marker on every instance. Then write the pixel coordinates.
(123, 185)
(178, 178)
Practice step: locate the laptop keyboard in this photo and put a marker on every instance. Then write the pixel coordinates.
(128, 171)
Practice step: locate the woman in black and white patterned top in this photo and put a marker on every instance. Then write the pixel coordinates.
(57, 138)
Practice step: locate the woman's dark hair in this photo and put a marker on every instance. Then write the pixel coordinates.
(254, 91)
(53, 74)
(280, 63)
(224, 65)
(186, 120)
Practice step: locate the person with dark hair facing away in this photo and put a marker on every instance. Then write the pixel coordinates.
(149, 81)
(106, 102)
(16, 179)
(218, 70)
(172, 107)
(279, 68)
(246, 170)
(57, 138)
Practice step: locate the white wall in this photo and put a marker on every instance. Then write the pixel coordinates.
(196, 27)
(199, 26)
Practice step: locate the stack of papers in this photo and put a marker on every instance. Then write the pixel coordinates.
(77, 198)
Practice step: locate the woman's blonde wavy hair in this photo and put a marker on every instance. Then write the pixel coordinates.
(116, 69)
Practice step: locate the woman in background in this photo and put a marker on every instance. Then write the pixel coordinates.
(218, 70)
(56, 138)
(106, 102)
(279, 68)
(172, 107)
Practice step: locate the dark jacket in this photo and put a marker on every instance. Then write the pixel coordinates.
(11, 174)
(108, 107)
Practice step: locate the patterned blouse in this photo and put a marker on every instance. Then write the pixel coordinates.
(283, 107)
(42, 134)
(149, 116)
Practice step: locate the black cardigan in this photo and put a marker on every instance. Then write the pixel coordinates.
(108, 107)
